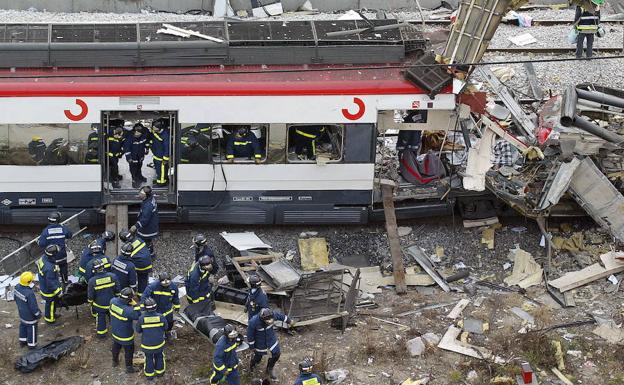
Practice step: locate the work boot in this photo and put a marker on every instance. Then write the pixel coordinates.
(115, 362)
(252, 364)
(143, 179)
(271, 372)
(136, 184)
(116, 184)
(23, 344)
(130, 369)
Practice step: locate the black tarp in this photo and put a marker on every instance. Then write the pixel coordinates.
(50, 352)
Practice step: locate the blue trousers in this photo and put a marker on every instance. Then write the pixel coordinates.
(49, 309)
(154, 363)
(100, 321)
(28, 333)
(142, 281)
(232, 377)
(161, 171)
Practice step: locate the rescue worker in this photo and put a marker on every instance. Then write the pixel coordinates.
(123, 268)
(56, 234)
(587, 22)
(135, 148)
(37, 149)
(141, 258)
(306, 377)
(93, 140)
(92, 156)
(243, 144)
(152, 326)
(160, 150)
(56, 152)
(116, 144)
(28, 310)
(198, 286)
(225, 360)
(262, 338)
(256, 299)
(123, 311)
(147, 222)
(305, 139)
(89, 271)
(102, 287)
(200, 245)
(95, 249)
(49, 282)
(165, 293)
(193, 152)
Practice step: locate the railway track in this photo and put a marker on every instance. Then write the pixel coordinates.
(552, 50)
(533, 23)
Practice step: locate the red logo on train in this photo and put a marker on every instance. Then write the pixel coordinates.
(357, 115)
(83, 112)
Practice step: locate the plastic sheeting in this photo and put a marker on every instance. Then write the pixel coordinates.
(50, 352)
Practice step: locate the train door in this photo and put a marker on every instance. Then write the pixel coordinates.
(139, 149)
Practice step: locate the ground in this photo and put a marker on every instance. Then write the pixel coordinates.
(374, 351)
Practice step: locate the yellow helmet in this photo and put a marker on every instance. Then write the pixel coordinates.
(26, 278)
(36, 138)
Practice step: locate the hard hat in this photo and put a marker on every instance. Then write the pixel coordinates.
(36, 138)
(126, 249)
(230, 331)
(255, 281)
(118, 131)
(98, 265)
(149, 304)
(108, 236)
(147, 190)
(306, 365)
(125, 236)
(95, 247)
(205, 262)
(165, 279)
(200, 240)
(126, 294)
(598, 2)
(266, 315)
(54, 217)
(26, 278)
(52, 250)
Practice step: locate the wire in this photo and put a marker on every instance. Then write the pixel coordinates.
(303, 70)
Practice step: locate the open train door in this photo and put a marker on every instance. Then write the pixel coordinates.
(135, 155)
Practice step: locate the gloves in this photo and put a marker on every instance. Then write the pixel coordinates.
(291, 323)
(258, 161)
(230, 160)
(133, 229)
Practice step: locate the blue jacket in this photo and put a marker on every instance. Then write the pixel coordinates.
(147, 223)
(49, 281)
(261, 337)
(141, 256)
(55, 234)
(123, 268)
(134, 148)
(89, 267)
(160, 145)
(205, 250)
(198, 287)
(26, 304)
(115, 148)
(122, 316)
(255, 301)
(101, 289)
(308, 379)
(87, 256)
(153, 326)
(225, 357)
(245, 147)
(167, 298)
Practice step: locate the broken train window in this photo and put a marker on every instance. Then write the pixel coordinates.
(307, 143)
(214, 142)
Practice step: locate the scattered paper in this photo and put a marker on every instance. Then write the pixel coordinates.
(522, 40)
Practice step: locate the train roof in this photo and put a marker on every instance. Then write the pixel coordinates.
(210, 81)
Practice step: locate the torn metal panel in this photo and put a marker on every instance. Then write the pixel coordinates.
(421, 258)
(280, 275)
(596, 194)
(244, 241)
(535, 88)
(479, 162)
(558, 185)
(427, 74)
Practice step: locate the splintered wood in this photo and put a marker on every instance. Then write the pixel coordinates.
(572, 280)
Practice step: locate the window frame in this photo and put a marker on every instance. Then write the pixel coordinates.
(342, 126)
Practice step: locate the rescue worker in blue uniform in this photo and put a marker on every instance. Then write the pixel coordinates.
(141, 258)
(198, 286)
(200, 245)
(123, 310)
(306, 377)
(193, 152)
(166, 295)
(95, 249)
(262, 338)
(49, 282)
(160, 150)
(135, 149)
(147, 225)
(116, 144)
(256, 298)
(56, 234)
(102, 287)
(92, 156)
(305, 140)
(152, 326)
(89, 268)
(243, 144)
(28, 310)
(123, 268)
(37, 149)
(225, 360)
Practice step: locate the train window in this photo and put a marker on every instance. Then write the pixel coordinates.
(83, 143)
(232, 143)
(38, 144)
(4, 144)
(309, 143)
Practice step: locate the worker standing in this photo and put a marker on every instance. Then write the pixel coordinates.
(198, 286)
(89, 268)
(93, 251)
(306, 377)
(56, 234)
(141, 257)
(256, 299)
(123, 310)
(37, 149)
(147, 222)
(243, 144)
(135, 148)
(152, 326)
(262, 338)
(305, 140)
(28, 310)
(200, 245)
(115, 152)
(102, 287)
(160, 150)
(49, 282)
(166, 295)
(123, 268)
(586, 22)
(225, 360)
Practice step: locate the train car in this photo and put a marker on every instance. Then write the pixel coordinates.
(315, 131)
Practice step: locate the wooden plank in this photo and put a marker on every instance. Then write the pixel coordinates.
(230, 311)
(321, 319)
(535, 88)
(560, 376)
(468, 223)
(393, 240)
(458, 309)
(449, 342)
(589, 274)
